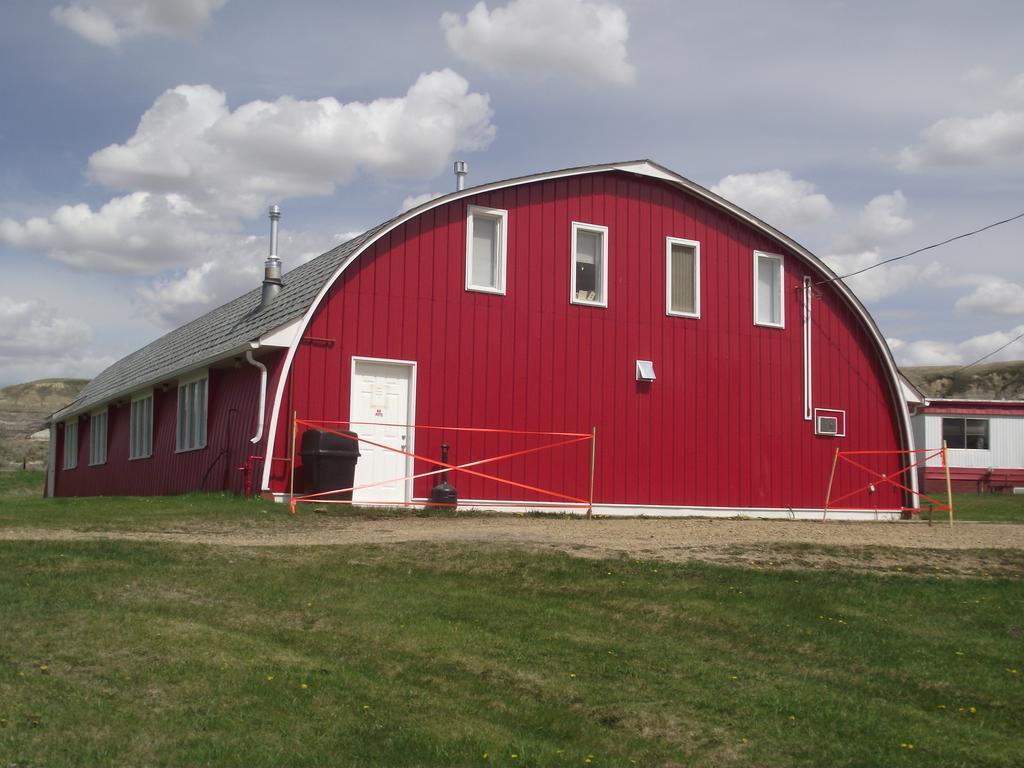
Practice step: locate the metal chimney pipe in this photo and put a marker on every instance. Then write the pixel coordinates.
(461, 169)
(272, 266)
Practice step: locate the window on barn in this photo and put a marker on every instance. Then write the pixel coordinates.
(589, 264)
(98, 438)
(486, 249)
(140, 445)
(683, 277)
(965, 433)
(192, 414)
(768, 279)
(71, 444)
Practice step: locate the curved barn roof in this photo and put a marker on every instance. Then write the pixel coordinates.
(228, 330)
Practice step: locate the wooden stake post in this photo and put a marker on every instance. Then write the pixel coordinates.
(831, 477)
(593, 456)
(949, 484)
(291, 482)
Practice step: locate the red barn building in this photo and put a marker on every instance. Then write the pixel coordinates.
(717, 360)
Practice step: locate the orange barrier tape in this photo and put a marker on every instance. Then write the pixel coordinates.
(450, 429)
(889, 479)
(579, 437)
(444, 467)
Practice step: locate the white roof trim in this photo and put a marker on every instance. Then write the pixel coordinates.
(642, 168)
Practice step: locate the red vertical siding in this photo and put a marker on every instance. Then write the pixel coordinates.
(233, 397)
(723, 424)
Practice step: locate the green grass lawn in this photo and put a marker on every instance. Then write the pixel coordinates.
(120, 653)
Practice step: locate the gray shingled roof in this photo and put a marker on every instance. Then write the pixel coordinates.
(217, 334)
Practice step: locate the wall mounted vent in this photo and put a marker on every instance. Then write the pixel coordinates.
(829, 422)
(645, 370)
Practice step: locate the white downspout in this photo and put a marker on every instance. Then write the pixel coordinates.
(263, 395)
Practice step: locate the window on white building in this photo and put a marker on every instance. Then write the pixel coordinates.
(192, 414)
(140, 445)
(98, 438)
(683, 277)
(768, 295)
(965, 433)
(589, 264)
(486, 249)
(71, 444)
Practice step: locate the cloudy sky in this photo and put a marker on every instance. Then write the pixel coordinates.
(141, 141)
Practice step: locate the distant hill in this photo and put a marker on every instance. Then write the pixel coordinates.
(24, 409)
(993, 381)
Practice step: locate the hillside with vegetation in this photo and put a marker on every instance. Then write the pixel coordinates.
(993, 381)
(24, 409)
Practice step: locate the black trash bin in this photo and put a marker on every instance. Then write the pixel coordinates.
(329, 461)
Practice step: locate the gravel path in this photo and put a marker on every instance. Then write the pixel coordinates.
(967, 548)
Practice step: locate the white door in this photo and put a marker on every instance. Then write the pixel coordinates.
(382, 396)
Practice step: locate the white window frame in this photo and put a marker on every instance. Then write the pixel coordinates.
(70, 444)
(669, 242)
(184, 385)
(501, 232)
(831, 413)
(603, 232)
(97, 442)
(758, 255)
(136, 432)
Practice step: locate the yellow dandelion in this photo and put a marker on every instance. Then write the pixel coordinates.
(366, 706)
(973, 710)
(44, 668)
(303, 686)
(1011, 670)
(485, 756)
(734, 677)
(270, 678)
(514, 756)
(942, 706)
(792, 717)
(572, 674)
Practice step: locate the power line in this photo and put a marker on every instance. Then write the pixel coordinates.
(993, 352)
(921, 250)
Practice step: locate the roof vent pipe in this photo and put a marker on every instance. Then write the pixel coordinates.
(461, 169)
(272, 267)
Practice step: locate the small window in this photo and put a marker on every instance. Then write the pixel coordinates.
(486, 249)
(683, 277)
(971, 434)
(140, 444)
(589, 265)
(98, 438)
(71, 444)
(829, 422)
(768, 279)
(192, 414)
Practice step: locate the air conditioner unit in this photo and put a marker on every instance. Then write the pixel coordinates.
(827, 425)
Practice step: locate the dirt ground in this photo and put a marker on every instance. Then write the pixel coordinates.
(991, 549)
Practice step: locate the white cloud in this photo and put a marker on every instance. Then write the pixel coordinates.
(40, 328)
(140, 232)
(194, 168)
(881, 222)
(880, 282)
(967, 141)
(227, 270)
(190, 142)
(412, 201)
(46, 343)
(575, 38)
(926, 352)
(108, 23)
(776, 197)
(979, 74)
(994, 296)
(1015, 88)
